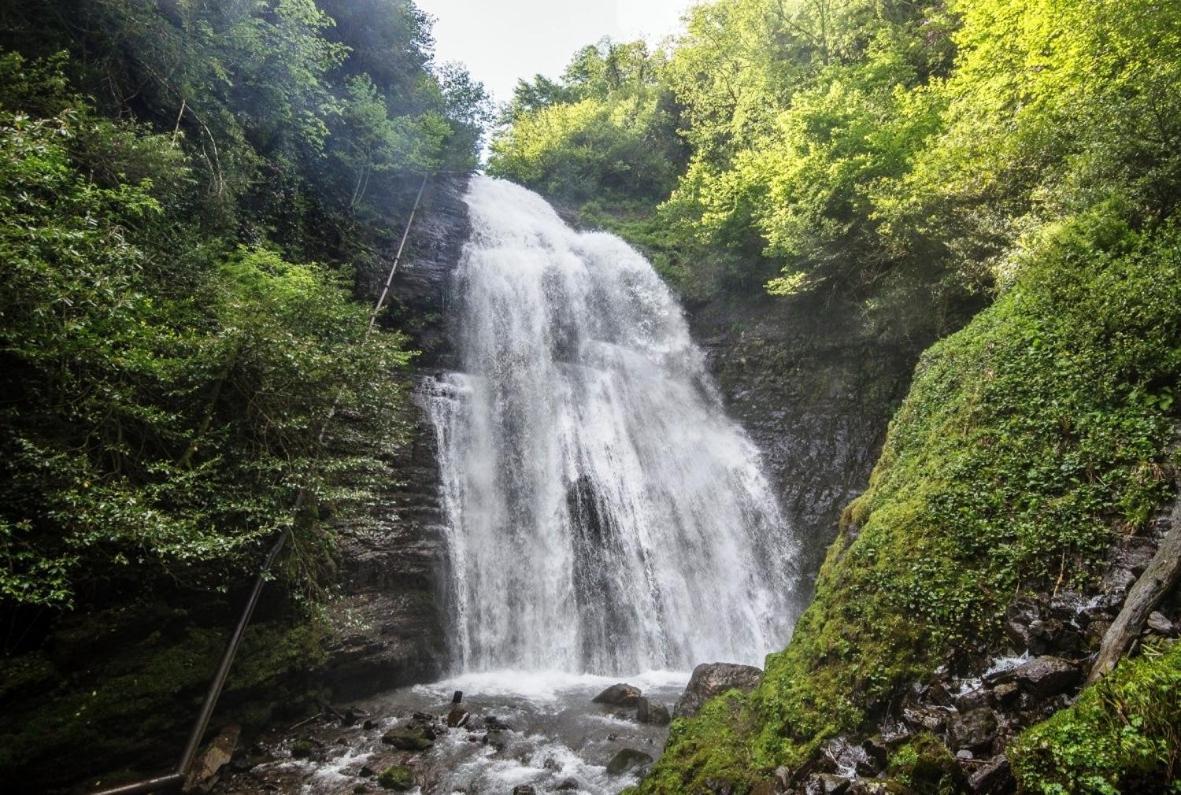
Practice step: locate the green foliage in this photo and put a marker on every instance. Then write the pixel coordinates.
(159, 417)
(1041, 160)
(794, 145)
(1026, 438)
(605, 132)
(1054, 106)
(1122, 735)
(924, 766)
(307, 124)
(712, 746)
(191, 195)
(776, 125)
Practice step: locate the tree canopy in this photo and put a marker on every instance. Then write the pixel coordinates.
(192, 198)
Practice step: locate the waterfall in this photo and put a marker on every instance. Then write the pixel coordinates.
(604, 514)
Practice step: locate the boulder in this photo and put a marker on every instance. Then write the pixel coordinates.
(567, 785)
(627, 759)
(1005, 693)
(217, 755)
(894, 732)
(620, 695)
(396, 777)
(428, 725)
(407, 739)
(493, 723)
(652, 712)
(457, 716)
(972, 699)
(827, 784)
(877, 749)
(1160, 624)
(924, 717)
(713, 679)
(524, 789)
(973, 731)
(1047, 676)
(994, 777)
(1019, 615)
(846, 759)
(302, 748)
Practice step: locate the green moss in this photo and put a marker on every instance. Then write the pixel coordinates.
(924, 766)
(1122, 735)
(407, 739)
(1026, 440)
(710, 747)
(302, 748)
(397, 777)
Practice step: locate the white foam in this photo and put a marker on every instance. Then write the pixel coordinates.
(546, 686)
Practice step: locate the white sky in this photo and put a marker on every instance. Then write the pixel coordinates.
(503, 40)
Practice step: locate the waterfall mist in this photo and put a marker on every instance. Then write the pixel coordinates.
(604, 514)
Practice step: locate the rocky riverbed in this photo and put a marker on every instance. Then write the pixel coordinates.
(514, 732)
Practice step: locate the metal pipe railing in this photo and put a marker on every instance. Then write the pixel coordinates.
(170, 781)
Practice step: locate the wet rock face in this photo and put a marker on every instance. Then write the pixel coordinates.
(713, 679)
(815, 389)
(389, 624)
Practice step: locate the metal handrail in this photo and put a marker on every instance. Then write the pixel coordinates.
(177, 778)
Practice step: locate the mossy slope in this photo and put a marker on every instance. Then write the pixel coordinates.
(1027, 440)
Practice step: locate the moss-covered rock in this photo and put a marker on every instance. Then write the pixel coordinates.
(411, 738)
(1122, 735)
(925, 766)
(396, 777)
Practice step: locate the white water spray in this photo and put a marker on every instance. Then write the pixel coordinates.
(605, 516)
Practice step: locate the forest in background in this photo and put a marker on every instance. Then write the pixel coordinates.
(919, 161)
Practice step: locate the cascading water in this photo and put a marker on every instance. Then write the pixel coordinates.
(605, 516)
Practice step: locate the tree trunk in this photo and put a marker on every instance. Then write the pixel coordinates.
(1157, 580)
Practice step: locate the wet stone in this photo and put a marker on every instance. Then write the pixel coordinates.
(627, 759)
(398, 778)
(1158, 623)
(652, 712)
(994, 777)
(713, 679)
(877, 749)
(620, 695)
(972, 699)
(924, 717)
(408, 739)
(1005, 693)
(827, 784)
(1047, 676)
(975, 730)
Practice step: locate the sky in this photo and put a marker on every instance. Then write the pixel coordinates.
(503, 40)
